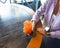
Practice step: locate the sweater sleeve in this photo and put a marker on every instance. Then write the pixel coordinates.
(39, 12)
(55, 34)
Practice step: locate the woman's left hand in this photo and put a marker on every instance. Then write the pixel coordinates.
(42, 31)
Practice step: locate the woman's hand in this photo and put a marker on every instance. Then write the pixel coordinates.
(33, 25)
(33, 28)
(42, 31)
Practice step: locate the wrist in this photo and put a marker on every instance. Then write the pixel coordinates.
(53, 34)
(48, 34)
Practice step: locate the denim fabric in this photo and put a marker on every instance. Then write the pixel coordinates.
(50, 43)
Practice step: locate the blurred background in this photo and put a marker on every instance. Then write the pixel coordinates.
(13, 13)
(34, 4)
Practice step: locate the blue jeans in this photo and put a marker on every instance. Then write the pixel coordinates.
(50, 43)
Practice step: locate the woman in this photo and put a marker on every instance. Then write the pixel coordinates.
(51, 11)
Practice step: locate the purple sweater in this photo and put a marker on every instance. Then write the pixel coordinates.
(47, 9)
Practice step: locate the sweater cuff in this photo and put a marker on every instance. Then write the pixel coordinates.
(53, 34)
(34, 20)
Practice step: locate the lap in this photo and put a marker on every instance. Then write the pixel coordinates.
(50, 43)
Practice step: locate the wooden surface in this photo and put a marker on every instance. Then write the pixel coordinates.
(36, 41)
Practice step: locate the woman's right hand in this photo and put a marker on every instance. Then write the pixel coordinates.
(33, 28)
(33, 25)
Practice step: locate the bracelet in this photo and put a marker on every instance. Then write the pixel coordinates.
(48, 34)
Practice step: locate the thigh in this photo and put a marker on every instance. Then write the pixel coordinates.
(50, 43)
